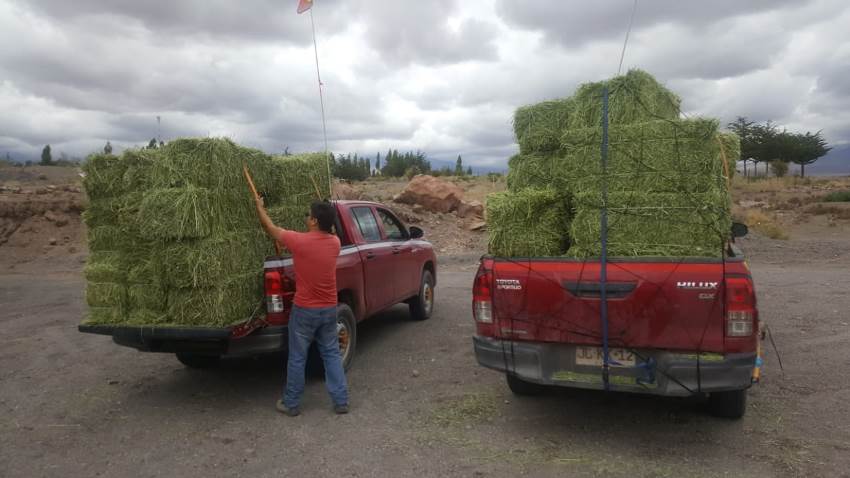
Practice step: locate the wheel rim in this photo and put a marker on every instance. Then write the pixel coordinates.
(428, 296)
(344, 335)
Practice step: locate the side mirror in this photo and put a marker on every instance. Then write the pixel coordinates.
(739, 229)
(416, 232)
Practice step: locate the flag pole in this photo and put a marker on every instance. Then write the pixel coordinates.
(322, 103)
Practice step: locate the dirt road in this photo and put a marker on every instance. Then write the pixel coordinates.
(78, 405)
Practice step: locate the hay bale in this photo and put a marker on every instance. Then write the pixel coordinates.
(657, 156)
(300, 179)
(211, 163)
(151, 297)
(530, 171)
(108, 238)
(205, 262)
(527, 223)
(233, 301)
(104, 176)
(105, 267)
(106, 294)
(104, 316)
(632, 98)
(538, 127)
(648, 224)
(192, 212)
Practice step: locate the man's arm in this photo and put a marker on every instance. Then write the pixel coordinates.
(265, 220)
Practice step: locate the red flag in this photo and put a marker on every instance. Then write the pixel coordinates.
(304, 5)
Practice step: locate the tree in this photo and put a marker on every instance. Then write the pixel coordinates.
(469, 171)
(46, 157)
(378, 162)
(779, 167)
(811, 148)
(744, 129)
(108, 148)
(459, 166)
(152, 143)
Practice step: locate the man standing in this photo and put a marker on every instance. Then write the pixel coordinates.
(313, 315)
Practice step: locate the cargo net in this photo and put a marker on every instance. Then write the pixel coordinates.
(173, 233)
(665, 192)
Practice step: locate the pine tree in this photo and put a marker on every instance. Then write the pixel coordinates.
(459, 166)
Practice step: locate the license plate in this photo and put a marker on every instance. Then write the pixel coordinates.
(593, 356)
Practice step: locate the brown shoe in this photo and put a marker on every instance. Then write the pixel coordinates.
(292, 412)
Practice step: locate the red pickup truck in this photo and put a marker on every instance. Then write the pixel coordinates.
(381, 263)
(675, 327)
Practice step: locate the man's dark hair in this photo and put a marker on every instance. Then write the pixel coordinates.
(325, 214)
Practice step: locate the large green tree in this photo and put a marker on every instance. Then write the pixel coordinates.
(810, 148)
(46, 157)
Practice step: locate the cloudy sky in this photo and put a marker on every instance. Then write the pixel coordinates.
(443, 76)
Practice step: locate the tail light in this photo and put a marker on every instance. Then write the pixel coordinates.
(740, 307)
(482, 299)
(279, 291)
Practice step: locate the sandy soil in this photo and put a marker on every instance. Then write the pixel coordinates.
(79, 405)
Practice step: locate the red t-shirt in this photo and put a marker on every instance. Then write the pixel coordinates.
(314, 256)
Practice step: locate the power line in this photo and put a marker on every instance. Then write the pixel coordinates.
(626, 41)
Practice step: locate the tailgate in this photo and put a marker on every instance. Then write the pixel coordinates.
(658, 304)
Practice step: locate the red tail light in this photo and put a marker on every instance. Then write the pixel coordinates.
(482, 299)
(279, 291)
(741, 312)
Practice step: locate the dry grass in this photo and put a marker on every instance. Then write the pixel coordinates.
(837, 212)
(763, 223)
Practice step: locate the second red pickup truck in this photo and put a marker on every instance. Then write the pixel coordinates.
(381, 263)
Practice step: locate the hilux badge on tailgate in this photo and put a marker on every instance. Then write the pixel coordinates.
(509, 284)
(697, 285)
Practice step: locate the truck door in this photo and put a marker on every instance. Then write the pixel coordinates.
(377, 258)
(407, 270)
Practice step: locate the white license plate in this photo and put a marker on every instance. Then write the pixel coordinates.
(593, 356)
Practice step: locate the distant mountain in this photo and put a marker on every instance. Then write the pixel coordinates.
(836, 162)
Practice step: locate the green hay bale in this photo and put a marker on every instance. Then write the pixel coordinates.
(300, 179)
(191, 213)
(731, 148)
(234, 301)
(645, 224)
(139, 164)
(527, 223)
(632, 98)
(150, 297)
(531, 171)
(104, 175)
(106, 294)
(538, 127)
(105, 267)
(146, 317)
(108, 238)
(144, 270)
(213, 163)
(206, 262)
(657, 156)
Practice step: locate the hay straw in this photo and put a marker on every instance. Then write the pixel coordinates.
(231, 302)
(146, 296)
(528, 223)
(105, 267)
(730, 147)
(104, 175)
(106, 294)
(538, 127)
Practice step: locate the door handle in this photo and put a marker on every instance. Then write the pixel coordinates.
(370, 255)
(396, 250)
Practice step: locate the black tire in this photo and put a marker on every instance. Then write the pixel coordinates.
(731, 404)
(347, 323)
(520, 387)
(422, 306)
(193, 360)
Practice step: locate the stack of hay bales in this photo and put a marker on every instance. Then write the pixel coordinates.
(175, 239)
(666, 178)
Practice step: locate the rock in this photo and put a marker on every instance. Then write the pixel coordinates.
(345, 191)
(415, 373)
(51, 188)
(470, 209)
(42, 177)
(419, 209)
(477, 226)
(41, 190)
(431, 193)
(52, 241)
(72, 249)
(56, 218)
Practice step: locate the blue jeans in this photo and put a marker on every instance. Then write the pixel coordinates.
(306, 325)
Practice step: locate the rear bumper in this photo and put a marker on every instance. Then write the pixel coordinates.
(198, 340)
(657, 372)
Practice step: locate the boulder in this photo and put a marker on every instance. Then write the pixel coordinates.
(477, 226)
(432, 193)
(470, 209)
(57, 219)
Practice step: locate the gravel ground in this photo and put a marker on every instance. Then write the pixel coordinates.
(78, 405)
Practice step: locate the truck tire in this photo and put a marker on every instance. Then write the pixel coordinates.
(422, 305)
(193, 360)
(731, 404)
(347, 328)
(520, 387)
